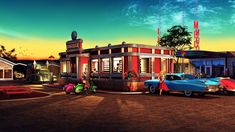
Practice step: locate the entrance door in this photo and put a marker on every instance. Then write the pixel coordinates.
(85, 71)
(233, 69)
(208, 70)
(1, 73)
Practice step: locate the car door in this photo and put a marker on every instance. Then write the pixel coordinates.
(173, 82)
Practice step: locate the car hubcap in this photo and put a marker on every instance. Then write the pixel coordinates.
(152, 89)
(188, 93)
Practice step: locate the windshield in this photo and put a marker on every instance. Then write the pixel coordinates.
(188, 76)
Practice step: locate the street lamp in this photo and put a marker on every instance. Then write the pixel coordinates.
(34, 65)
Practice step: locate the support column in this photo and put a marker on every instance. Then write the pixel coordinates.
(78, 72)
(3, 76)
(110, 64)
(123, 65)
(152, 63)
(172, 65)
(12, 73)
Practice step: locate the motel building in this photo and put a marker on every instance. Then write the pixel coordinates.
(7, 68)
(122, 67)
(208, 63)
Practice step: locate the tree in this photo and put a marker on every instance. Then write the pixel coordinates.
(9, 55)
(177, 38)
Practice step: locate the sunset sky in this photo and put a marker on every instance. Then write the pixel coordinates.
(40, 28)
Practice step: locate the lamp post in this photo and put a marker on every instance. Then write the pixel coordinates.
(34, 65)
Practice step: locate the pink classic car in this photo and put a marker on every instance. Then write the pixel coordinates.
(227, 85)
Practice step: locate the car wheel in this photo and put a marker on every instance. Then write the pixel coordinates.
(67, 92)
(227, 92)
(201, 94)
(188, 93)
(152, 89)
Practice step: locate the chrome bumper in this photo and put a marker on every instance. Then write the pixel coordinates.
(212, 88)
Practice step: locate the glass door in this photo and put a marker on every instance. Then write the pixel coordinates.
(208, 71)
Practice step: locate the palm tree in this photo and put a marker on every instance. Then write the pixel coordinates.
(9, 55)
(177, 38)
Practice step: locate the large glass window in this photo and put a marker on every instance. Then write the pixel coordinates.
(63, 66)
(8, 73)
(117, 64)
(105, 65)
(197, 63)
(145, 65)
(94, 65)
(163, 65)
(1, 73)
(218, 62)
(73, 65)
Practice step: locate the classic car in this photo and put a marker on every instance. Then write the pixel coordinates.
(227, 85)
(185, 83)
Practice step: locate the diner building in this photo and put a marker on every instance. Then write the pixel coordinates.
(121, 67)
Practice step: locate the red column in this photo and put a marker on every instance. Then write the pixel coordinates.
(157, 65)
(135, 64)
(172, 65)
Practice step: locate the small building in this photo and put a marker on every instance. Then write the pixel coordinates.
(210, 63)
(7, 69)
(41, 70)
(121, 67)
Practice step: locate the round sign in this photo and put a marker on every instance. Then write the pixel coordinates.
(74, 35)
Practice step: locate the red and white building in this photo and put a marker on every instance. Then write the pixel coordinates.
(109, 66)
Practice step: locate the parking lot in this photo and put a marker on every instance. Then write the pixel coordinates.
(112, 112)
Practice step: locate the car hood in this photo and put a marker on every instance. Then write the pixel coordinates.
(211, 81)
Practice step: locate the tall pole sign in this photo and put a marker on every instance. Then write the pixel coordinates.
(158, 35)
(196, 35)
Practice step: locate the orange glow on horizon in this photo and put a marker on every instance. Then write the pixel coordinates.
(38, 48)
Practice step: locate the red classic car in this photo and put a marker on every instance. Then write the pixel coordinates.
(227, 85)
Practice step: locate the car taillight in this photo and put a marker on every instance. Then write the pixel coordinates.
(207, 88)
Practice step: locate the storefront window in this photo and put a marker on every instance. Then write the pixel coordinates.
(1, 73)
(73, 65)
(63, 66)
(145, 65)
(218, 62)
(197, 63)
(105, 65)
(117, 64)
(8, 73)
(208, 62)
(94, 65)
(163, 65)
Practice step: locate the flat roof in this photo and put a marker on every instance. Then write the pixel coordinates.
(198, 54)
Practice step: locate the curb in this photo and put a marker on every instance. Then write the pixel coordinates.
(125, 93)
(25, 99)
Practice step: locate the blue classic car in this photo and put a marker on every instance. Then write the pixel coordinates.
(185, 83)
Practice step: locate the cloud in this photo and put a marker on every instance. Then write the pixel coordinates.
(232, 20)
(170, 13)
(12, 33)
(132, 10)
(203, 10)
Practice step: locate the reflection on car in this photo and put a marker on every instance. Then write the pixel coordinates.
(186, 83)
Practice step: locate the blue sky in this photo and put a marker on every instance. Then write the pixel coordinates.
(24, 23)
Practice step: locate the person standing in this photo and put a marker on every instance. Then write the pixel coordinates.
(162, 84)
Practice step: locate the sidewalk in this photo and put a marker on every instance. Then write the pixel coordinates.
(118, 92)
(98, 90)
